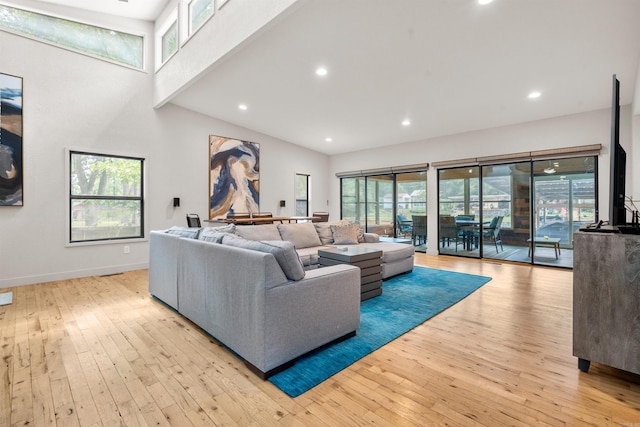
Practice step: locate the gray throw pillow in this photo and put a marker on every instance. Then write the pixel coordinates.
(284, 253)
(215, 234)
(191, 233)
(302, 235)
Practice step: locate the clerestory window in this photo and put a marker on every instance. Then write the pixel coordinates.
(103, 43)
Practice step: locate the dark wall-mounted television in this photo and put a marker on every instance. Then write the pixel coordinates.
(617, 211)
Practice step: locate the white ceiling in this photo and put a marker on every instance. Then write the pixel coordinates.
(449, 66)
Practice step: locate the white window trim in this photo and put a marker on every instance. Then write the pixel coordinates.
(67, 190)
(118, 29)
(186, 32)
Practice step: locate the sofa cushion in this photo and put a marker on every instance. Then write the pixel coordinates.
(302, 235)
(309, 256)
(259, 232)
(215, 234)
(191, 233)
(345, 234)
(391, 251)
(324, 230)
(284, 253)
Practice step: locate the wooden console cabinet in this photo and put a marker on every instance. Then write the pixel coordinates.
(606, 300)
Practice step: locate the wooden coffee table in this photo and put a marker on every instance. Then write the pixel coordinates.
(368, 260)
(549, 242)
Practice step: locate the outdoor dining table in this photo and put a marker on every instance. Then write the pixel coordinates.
(471, 230)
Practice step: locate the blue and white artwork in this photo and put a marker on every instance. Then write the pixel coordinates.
(10, 140)
(234, 177)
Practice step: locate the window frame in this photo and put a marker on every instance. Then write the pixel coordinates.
(186, 28)
(86, 52)
(163, 29)
(307, 194)
(361, 204)
(70, 198)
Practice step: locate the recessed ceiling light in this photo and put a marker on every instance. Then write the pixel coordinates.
(328, 139)
(534, 95)
(242, 106)
(406, 122)
(483, 2)
(321, 71)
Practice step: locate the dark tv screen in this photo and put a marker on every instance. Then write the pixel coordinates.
(617, 212)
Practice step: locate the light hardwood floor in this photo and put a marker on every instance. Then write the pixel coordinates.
(99, 351)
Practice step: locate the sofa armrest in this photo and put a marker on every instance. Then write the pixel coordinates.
(303, 315)
(371, 238)
(163, 267)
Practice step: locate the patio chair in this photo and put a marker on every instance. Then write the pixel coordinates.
(492, 232)
(405, 226)
(419, 229)
(449, 231)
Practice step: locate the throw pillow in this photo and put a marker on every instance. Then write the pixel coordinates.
(302, 235)
(344, 234)
(215, 234)
(359, 232)
(191, 233)
(284, 253)
(324, 230)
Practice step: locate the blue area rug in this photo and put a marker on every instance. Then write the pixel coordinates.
(407, 301)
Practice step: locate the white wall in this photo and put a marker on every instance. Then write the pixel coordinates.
(230, 27)
(71, 100)
(580, 129)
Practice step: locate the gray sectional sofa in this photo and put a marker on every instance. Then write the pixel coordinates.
(258, 289)
(308, 237)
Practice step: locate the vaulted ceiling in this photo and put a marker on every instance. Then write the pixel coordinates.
(446, 66)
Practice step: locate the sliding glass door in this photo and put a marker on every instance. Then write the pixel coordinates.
(380, 203)
(388, 205)
(564, 200)
(506, 210)
(353, 200)
(524, 212)
(411, 208)
(459, 211)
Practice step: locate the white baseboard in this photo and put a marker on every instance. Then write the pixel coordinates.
(65, 275)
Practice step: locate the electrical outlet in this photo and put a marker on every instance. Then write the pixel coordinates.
(126, 249)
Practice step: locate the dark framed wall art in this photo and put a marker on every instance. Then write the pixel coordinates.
(234, 177)
(10, 140)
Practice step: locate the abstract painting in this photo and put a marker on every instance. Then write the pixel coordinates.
(10, 140)
(234, 177)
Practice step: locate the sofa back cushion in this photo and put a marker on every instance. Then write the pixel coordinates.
(284, 253)
(258, 232)
(302, 235)
(324, 230)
